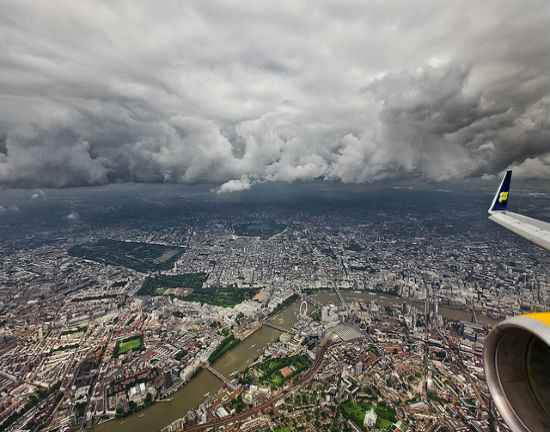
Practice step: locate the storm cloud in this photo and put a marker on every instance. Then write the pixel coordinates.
(236, 93)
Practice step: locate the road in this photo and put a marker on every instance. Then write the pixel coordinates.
(453, 348)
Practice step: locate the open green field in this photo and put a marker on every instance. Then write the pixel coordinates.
(143, 257)
(315, 315)
(156, 285)
(228, 296)
(382, 423)
(277, 380)
(264, 229)
(355, 411)
(270, 369)
(129, 344)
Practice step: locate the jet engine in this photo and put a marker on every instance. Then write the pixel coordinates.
(517, 368)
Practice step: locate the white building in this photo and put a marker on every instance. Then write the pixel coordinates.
(329, 313)
(370, 418)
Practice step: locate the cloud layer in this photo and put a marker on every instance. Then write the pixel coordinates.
(244, 92)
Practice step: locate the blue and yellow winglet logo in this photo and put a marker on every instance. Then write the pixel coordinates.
(503, 197)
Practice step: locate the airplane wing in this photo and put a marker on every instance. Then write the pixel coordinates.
(533, 230)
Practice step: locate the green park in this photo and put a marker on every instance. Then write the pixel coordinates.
(143, 257)
(226, 296)
(355, 411)
(128, 344)
(270, 369)
(263, 230)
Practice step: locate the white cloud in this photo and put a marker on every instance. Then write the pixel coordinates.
(72, 216)
(532, 168)
(214, 92)
(241, 184)
(39, 194)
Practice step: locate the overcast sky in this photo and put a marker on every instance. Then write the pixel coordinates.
(234, 93)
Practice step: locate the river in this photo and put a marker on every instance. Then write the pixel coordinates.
(192, 394)
(456, 314)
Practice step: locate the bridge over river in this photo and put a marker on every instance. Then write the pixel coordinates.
(276, 327)
(216, 374)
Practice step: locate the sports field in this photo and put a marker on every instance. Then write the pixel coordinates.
(133, 343)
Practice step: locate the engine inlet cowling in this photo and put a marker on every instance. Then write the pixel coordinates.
(517, 368)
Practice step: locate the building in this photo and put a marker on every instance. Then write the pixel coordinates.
(370, 418)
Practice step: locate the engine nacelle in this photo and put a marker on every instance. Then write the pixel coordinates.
(517, 368)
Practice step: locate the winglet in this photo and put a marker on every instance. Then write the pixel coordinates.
(501, 198)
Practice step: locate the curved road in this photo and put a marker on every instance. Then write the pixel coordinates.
(319, 357)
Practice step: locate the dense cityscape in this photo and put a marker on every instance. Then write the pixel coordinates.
(275, 216)
(282, 320)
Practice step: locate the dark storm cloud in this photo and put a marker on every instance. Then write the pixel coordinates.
(236, 93)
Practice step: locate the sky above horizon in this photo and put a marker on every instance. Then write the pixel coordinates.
(237, 93)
